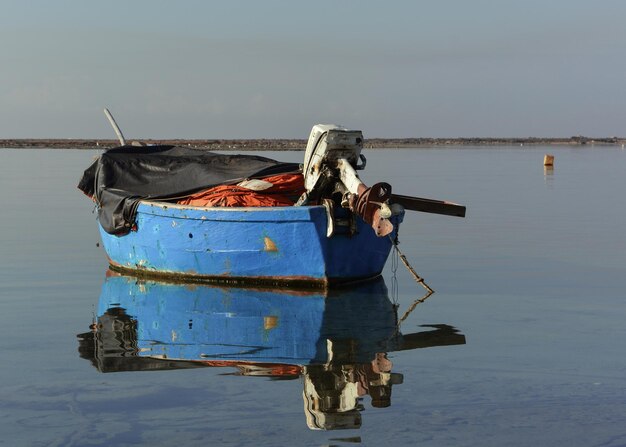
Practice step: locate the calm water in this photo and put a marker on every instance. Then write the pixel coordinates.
(523, 342)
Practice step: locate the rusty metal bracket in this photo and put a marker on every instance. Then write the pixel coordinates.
(370, 203)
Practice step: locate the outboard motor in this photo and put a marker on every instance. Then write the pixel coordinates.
(327, 144)
(330, 165)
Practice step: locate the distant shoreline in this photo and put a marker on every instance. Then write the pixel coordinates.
(300, 144)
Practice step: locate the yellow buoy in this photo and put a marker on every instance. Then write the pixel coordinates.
(548, 160)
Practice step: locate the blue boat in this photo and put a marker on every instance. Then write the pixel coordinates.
(268, 245)
(335, 341)
(336, 229)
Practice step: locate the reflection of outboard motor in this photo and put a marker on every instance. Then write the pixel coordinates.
(330, 401)
(333, 392)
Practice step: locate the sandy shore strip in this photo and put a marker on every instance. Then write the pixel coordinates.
(300, 144)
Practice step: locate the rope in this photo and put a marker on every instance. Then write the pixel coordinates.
(417, 278)
(394, 280)
(414, 305)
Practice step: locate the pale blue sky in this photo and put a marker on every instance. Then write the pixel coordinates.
(272, 69)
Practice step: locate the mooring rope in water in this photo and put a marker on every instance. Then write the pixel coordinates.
(414, 305)
(417, 278)
(394, 280)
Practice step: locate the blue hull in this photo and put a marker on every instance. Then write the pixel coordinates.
(272, 245)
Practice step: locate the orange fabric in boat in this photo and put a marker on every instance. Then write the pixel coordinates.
(285, 191)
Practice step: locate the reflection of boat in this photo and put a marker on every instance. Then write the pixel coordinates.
(336, 341)
(339, 231)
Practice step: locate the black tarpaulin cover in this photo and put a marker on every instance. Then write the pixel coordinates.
(124, 176)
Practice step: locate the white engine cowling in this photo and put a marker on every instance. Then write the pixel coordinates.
(327, 144)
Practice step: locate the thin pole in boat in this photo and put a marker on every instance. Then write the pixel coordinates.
(115, 127)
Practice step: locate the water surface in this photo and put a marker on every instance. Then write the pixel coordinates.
(533, 280)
